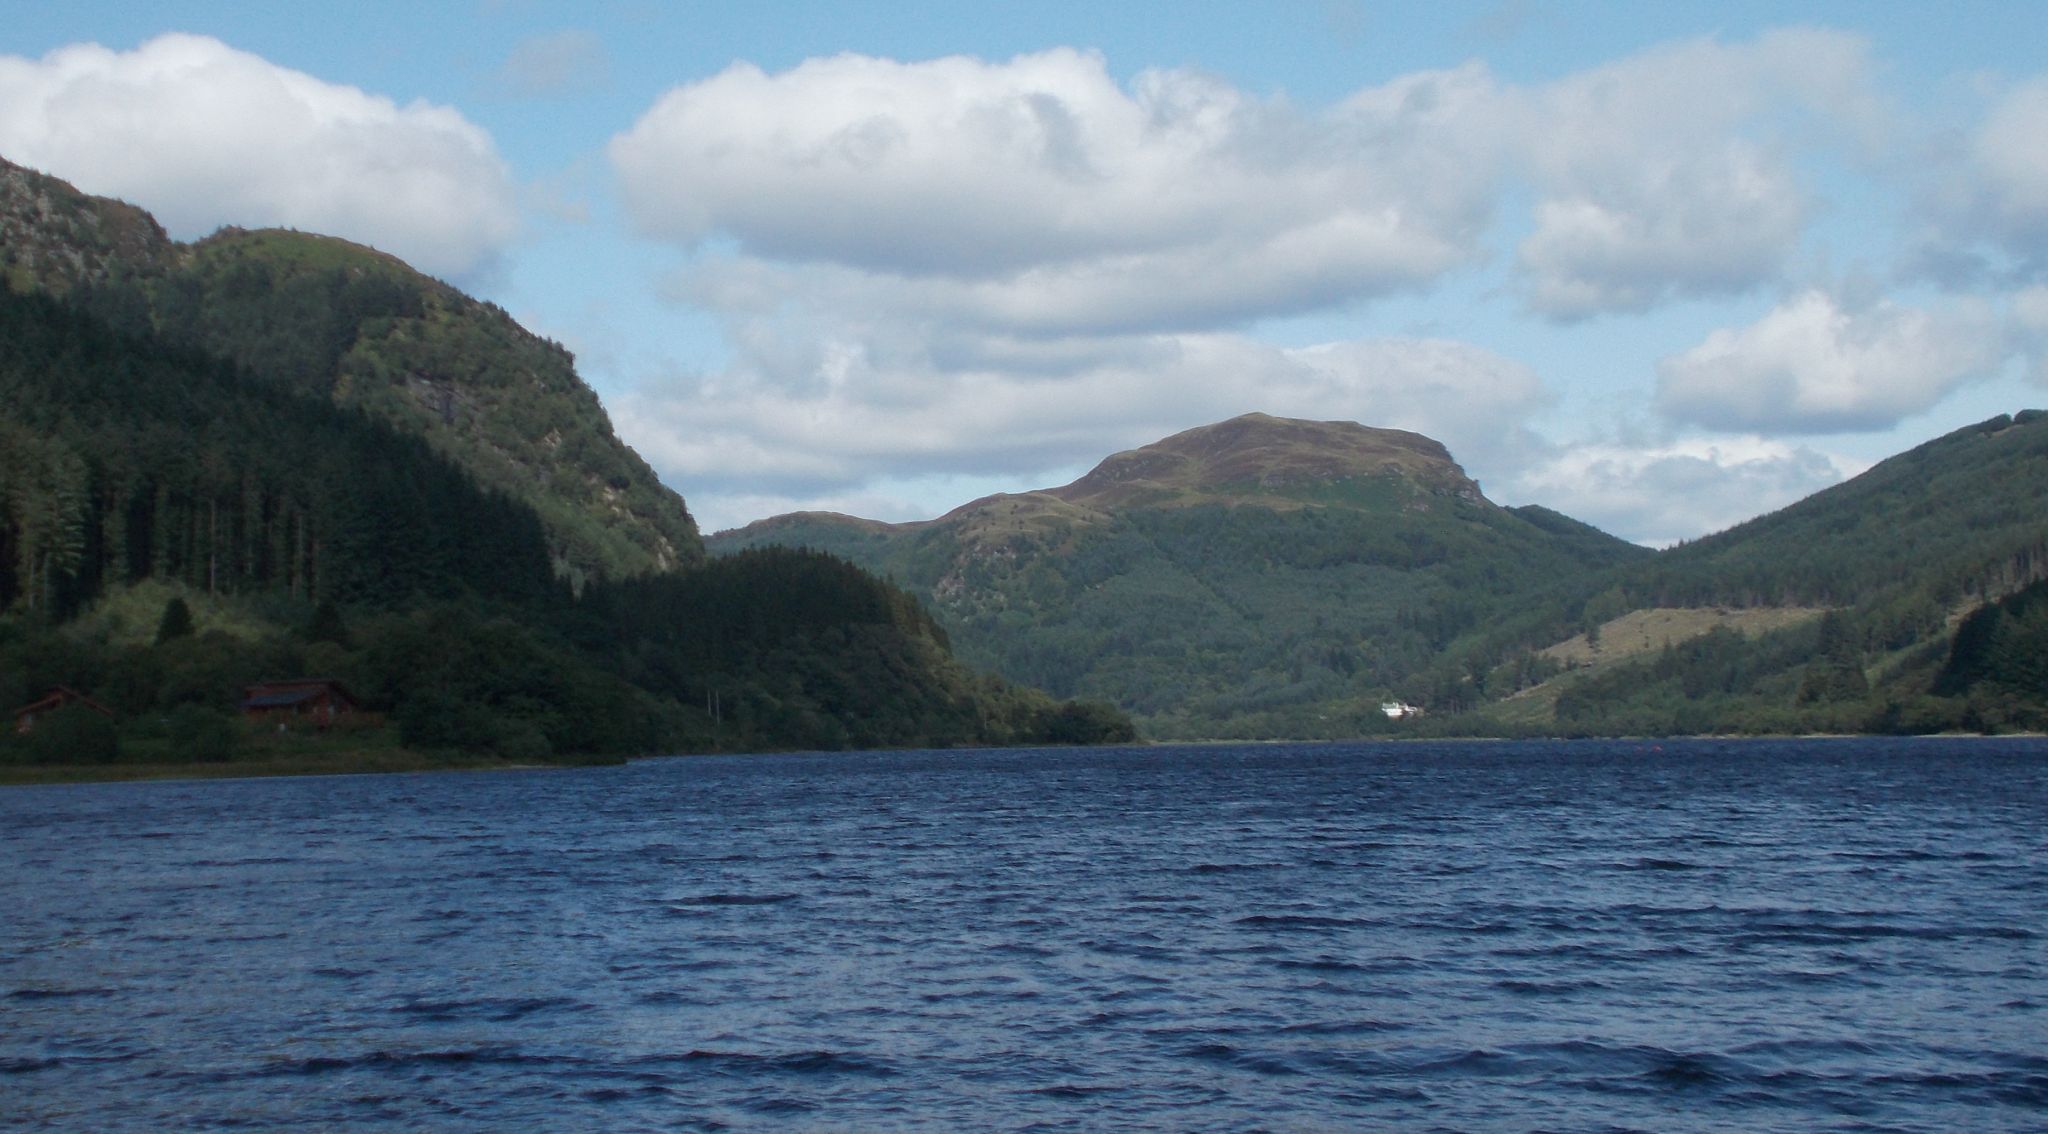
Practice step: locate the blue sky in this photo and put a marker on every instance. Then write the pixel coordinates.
(1661, 266)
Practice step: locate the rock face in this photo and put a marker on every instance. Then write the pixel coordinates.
(346, 323)
(54, 238)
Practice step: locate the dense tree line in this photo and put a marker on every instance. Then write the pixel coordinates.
(1217, 620)
(350, 326)
(174, 529)
(1211, 620)
(127, 459)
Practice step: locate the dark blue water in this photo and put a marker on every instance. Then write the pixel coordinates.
(1841, 935)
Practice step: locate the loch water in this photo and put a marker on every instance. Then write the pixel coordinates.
(1685, 936)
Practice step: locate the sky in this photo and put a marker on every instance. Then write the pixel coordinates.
(1659, 266)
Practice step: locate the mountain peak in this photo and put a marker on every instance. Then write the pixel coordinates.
(1259, 457)
(56, 238)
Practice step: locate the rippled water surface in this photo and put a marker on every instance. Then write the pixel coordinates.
(1839, 935)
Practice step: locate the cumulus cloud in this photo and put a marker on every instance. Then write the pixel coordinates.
(204, 135)
(2030, 330)
(2013, 163)
(1661, 494)
(1679, 227)
(1812, 366)
(967, 268)
(1987, 201)
(1045, 195)
(1052, 191)
(1665, 175)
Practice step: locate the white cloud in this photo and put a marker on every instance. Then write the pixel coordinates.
(203, 135)
(1666, 175)
(1811, 366)
(2030, 330)
(1661, 494)
(1984, 196)
(1686, 227)
(1998, 193)
(1039, 194)
(1057, 197)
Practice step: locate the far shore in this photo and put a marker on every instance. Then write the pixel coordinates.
(321, 764)
(388, 760)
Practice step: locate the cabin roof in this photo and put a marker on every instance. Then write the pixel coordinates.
(59, 696)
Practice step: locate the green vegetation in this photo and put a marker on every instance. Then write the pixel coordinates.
(347, 326)
(1209, 610)
(273, 454)
(174, 529)
(1910, 562)
(1259, 578)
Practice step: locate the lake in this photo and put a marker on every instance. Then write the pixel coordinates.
(1598, 936)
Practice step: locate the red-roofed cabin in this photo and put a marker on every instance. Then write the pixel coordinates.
(310, 700)
(57, 700)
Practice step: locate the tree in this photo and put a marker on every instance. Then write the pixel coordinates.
(75, 734)
(176, 622)
(327, 625)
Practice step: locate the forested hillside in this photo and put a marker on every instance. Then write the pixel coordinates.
(175, 528)
(346, 325)
(1283, 579)
(124, 459)
(271, 452)
(1898, 557)
(1260, 577)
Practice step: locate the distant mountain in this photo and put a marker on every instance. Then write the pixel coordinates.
(1274, 578)
(1258, 577)
(351, 326)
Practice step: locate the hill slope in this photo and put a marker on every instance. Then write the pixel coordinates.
(265, 534)
(1263, 577)
(351, 326)
(1258, 577)
(1897, 557)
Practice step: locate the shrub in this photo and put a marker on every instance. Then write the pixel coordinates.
(201, 734)
(74, 735)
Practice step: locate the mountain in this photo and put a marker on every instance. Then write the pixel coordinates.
(175, 527)
(1258, 577)
(1838, 613)
(1273, 578)
(350, 326)
(273, 454)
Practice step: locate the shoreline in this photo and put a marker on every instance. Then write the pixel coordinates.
(402, 761)
(381, 762)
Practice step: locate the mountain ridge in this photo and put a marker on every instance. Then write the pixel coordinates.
(1163, 578)
(1252, 459)
(1325, 562)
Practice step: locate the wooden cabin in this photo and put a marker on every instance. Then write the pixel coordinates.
(315, 701)
(56, 700)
